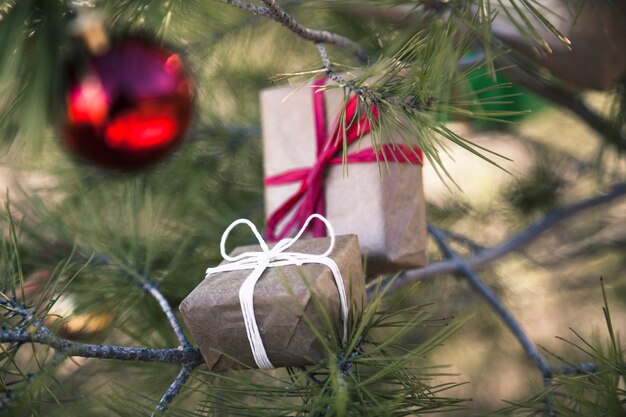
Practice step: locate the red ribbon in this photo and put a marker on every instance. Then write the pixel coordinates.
(309, 198)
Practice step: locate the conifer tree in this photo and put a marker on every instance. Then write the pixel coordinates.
(96, 260)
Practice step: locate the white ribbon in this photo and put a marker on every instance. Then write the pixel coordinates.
(259, 261)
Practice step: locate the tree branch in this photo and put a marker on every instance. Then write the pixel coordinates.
(515, 243)
(610, 133)
(174, 389)
(349, 84)
(275, 12)
(495, 302)
(366, 94)
(32, 330)
(150, 287)
(44, 336)
(323, 36)
(249, 7)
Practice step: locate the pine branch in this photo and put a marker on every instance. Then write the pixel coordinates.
(32, 330)
(349, 84)
(174, 389)
(515, 243)
(369, 95)
(581, 369)
(456, 264)
(495, 302)
(150, 287)
(275, 12)
(249, 7)
(42, 335)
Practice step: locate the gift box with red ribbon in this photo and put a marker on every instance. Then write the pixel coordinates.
(376, 194)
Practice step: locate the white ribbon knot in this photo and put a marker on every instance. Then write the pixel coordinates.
(259, 261)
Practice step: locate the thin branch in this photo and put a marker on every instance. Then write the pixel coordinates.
(195, 359)
(515, 243)
(495, 302)
(463, 240)
(582, 369)
(368, 95)
(32, 330)
(323, 36)
(167, 309)
(14, 307)
(328, 66)
(174, 389)
(150, 286)
(249, 7)
(349, 84)
(44, 336)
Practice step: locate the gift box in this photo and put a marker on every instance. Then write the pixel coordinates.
(380, 201)
(283, 296)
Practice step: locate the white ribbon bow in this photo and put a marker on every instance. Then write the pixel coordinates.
(259, 261)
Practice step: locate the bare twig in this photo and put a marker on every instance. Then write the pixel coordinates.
(581, 369)
(167, 309)
(249, 7)
(188, 366)
(42, 335)
(463, 240)
(150, 286)
(495, 302)
(328, 66)
(275, 12)
(515, 243)
(174, 389)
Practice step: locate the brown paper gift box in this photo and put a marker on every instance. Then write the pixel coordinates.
(212, 311)
(386, 209)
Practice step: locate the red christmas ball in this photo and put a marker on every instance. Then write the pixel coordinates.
(128, 107)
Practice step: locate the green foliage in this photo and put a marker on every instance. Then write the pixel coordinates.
(375, 374)
(36, 35)
(538, 192)
(595, 388)
(30, 32)
(91, 230)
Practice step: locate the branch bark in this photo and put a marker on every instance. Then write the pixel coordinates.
(276, 13)
(86, 350)
(493, 300)
(515, 243)
(32, 330)
(323, 36)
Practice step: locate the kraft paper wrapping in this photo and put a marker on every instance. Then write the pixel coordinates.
(212, 311)
(385, 207)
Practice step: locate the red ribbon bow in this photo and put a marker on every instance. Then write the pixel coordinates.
(309, 198)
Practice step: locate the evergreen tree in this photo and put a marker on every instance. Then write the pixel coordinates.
(94, 260)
